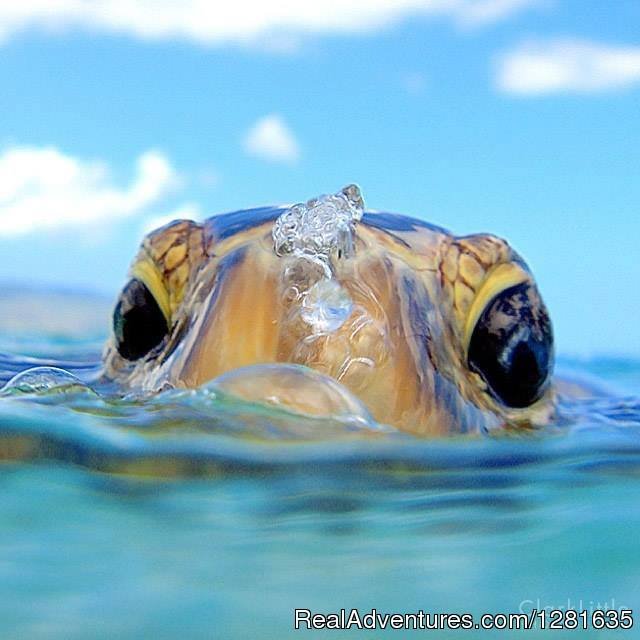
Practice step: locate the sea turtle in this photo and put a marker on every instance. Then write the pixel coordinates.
(434, 333)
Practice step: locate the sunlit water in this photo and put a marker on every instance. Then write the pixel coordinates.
(194, 515)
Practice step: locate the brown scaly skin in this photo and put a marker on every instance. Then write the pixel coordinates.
(231, 302)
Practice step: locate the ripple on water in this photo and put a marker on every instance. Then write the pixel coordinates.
(47, 412)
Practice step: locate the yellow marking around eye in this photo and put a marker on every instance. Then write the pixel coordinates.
(501, 277)
(149, 274)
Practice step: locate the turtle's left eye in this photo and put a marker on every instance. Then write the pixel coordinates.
(139, 324)
(511, 345)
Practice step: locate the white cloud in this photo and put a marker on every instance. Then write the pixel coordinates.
(474, 14)
(243, 21)
(561, 66)
(43, 188)
(271, 139)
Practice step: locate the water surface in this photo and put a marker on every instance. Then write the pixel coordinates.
(198, 516)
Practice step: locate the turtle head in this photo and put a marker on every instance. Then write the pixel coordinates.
(434, 333)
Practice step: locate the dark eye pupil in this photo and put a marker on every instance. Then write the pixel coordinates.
(138, 323)
(512, 346)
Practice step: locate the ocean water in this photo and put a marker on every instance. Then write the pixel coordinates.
(194, 515)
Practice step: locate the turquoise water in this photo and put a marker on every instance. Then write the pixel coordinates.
(197, 516)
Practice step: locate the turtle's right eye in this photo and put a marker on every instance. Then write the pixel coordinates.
(139, 324)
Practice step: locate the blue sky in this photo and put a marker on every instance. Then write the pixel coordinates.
(517, 117)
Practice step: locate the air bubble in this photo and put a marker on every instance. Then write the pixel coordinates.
(294, 388)
(44, 380)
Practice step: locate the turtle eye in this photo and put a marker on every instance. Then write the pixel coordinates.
(511, 346)
(138, 322)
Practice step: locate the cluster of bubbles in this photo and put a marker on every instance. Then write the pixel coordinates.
(321, 227)
(315, 232)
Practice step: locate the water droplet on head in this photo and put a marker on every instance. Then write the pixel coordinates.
(326, 306)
